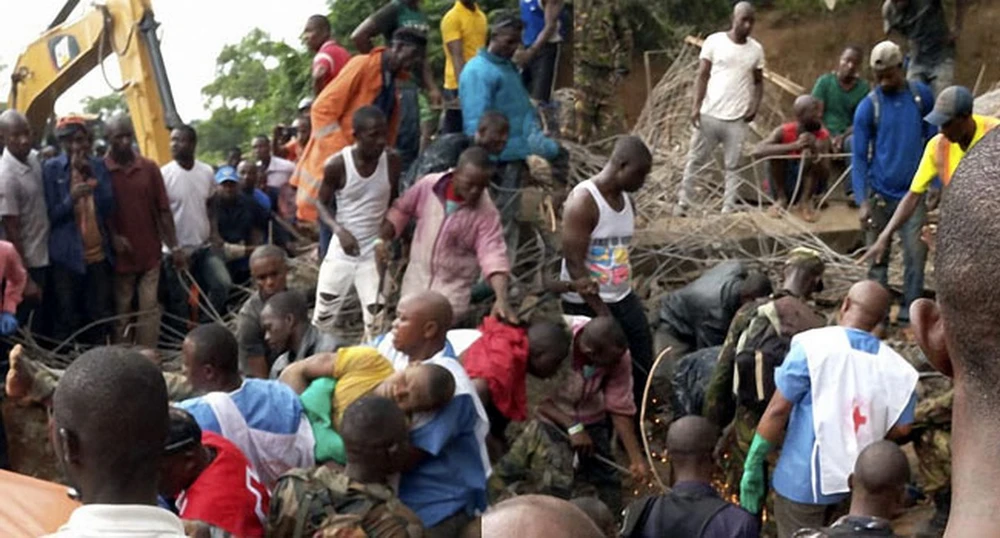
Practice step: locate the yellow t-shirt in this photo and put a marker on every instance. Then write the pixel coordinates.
(928, 169)
(358, 370)
(468, 25)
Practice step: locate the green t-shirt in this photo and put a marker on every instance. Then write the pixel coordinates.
(395, 15)
(838, 105)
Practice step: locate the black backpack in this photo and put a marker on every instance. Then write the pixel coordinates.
(762, 347)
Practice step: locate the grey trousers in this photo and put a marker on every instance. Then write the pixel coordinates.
(713, 132)
(791, 516)
(938, 77)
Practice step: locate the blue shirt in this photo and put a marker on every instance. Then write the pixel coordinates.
(65, 241)
(452, 478)
(269, 406)
(489, 82)
(263, 200)
(899, 140)
(792, 474)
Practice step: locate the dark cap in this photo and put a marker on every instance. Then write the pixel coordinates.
(184, 432)
(953, 102)
(410, 36)
(68, 126)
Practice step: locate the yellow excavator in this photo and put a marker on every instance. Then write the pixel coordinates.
(66, 52)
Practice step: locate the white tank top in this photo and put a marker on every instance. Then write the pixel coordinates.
(363, 202)
(607, 257)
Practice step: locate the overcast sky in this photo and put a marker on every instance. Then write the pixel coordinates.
(192, 34)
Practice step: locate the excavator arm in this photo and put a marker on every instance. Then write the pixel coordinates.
(65, 53)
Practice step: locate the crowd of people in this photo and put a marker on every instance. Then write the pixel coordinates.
(282, 426)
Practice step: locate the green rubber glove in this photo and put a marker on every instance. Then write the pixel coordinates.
(752, 487)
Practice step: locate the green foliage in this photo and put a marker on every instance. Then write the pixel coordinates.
(702, 16)
(346, 15)
(105, 106)
(258, 84)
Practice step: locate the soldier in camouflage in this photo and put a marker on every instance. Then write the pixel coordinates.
(789, 314)
(932, 443)
(358, 501)
(602, 52)
(29, 381)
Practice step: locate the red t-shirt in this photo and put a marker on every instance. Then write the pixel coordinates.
(228, 494)
(790, 133)
(141, 197)
(333, 57)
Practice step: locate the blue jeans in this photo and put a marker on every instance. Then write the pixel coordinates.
(210, 272)
(914, 251)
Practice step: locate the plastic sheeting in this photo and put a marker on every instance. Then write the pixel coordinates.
(30, 507)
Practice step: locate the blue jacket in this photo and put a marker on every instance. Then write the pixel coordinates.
(899, 141)
(489, 82)
(65, 242)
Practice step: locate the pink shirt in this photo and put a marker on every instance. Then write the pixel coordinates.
(333, 57)
(13, 273)
(588, 399)
(449, 250)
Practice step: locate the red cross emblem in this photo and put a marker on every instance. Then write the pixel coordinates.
(859, 419)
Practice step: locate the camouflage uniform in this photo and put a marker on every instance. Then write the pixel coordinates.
(541, 461)
(932, 444)
(45, 379)
(602, 52)
(324, 502)
(740, 421)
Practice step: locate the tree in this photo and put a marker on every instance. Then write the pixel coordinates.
(106, 106)
(259, 83)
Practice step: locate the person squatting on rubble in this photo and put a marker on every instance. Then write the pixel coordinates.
(794, 182)
(575, 421)
(360, 182)
(442, 154)
(728, 90)
(598, 225)
(827, 371)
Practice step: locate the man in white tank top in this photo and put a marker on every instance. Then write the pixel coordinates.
(598, 222)
(362, 181)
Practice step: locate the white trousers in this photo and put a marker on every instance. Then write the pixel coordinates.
(337, 274)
